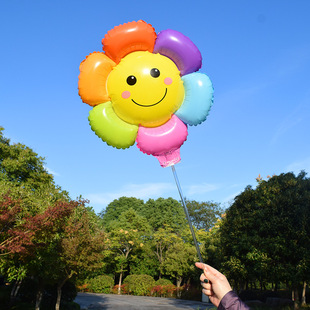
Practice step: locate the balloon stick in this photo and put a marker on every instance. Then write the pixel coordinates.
(186, 213)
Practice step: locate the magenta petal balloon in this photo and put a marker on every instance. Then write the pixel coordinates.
(163, 142)
(180, 49)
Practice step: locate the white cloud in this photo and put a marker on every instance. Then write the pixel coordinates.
(201, 189)
(297, 166)
(51, 171)
(230, 198)
(141, 191)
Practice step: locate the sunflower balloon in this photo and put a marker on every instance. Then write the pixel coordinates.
(145, 89)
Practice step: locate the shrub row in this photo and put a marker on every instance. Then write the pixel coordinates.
(139, 285)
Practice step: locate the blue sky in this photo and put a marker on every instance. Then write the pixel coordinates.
(257, 54)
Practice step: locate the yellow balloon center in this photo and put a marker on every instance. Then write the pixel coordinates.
(145, 89)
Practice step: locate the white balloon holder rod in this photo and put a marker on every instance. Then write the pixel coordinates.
(204, 298)
(186, 213)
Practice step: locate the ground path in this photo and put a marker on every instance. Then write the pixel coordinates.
(93, 301)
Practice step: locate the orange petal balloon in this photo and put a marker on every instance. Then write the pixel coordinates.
(127, 38)
(94, 71)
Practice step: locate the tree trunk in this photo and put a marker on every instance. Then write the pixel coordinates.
(119, 283)
(179, 281)
(59, 288)
(14, 292)
(276, 287)
(39, 295)
(15, 289)
(57, 306)
(296, 295)
(303, 297)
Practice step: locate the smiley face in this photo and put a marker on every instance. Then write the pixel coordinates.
(145, 89)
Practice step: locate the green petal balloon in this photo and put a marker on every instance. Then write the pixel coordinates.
(110, 128)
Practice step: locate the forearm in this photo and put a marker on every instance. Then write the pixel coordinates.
(231, 301)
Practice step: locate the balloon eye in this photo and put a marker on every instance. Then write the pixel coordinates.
(131, 80)
(155, 73)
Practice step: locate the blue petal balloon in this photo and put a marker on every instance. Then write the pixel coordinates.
(198, 99)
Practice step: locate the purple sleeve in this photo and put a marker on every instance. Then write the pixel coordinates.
(231, 301)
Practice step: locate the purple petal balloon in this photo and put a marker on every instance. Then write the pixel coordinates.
(180, 49)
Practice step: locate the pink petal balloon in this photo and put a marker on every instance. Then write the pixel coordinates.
(163, 142)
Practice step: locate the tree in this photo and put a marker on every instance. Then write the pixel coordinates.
(81, 247)
(29, 239)
(21, 166)
(125, 235)
(23, 175)
(43, 233)
(118, 206)
(203, 215)
(179, 261)
(266, 230)
(164, 212)
(163, 239)
(144, 261)
(210, 244)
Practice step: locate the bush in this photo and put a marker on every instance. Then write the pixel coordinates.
(139, 284)
(168, 290)
(163, 282)
(124, 289)
(83, 287)
(101, 284)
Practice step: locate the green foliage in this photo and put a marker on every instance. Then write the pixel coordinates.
(23, 173)
(129, 219)
(179, 261)
(143, 260)
(204, 215)
(162, 212)
(139, 284)
(118, 206)
(158, 213)
(44, 234)
(265, 235)
(163, 281)
(56, 238)
(101, 284)
(160, 224)
(125, 241)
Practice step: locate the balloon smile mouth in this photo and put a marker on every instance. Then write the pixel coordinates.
(150, 105)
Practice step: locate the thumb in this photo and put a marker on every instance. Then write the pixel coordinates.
(209, 273)
(200, 265)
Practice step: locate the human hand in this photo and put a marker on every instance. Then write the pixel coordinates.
(217, 286)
